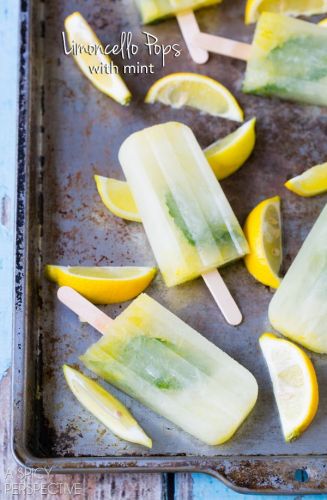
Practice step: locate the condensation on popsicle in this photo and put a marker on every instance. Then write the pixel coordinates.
(288, 59)
(298, 309)
(156, 10)
(188, 220)
(158, 359)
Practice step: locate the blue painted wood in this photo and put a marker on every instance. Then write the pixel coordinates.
(8, 126)
(208, 488)
(202, 487)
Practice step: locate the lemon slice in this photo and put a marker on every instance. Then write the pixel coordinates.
(105, 407)
(254, 8)
(294, 382)
(103, 285)
(197, 91)
(228, 154)
(263, 231)
(323, 23)
(79, 33)
(117, 197)
(312, 182)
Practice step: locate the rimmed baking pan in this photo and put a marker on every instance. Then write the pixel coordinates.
(69, 132)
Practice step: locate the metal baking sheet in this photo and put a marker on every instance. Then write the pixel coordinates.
(68, 132)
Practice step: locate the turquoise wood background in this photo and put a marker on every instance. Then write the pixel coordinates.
(204, 487)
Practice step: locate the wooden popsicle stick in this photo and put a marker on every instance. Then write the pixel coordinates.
(189, 28)
(222, 46)
(223, 297)
(85, 309)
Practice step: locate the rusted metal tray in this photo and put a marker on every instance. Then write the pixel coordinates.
(68, 132)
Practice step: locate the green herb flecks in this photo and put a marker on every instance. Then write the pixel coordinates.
(303, 57)
(269, 89)
(175, 213)
(157, 362)
(218, 232)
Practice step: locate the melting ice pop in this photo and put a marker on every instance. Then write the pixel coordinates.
(189, 223)
(159, 360)
(287, 59)
(157, 10)
(298, 309)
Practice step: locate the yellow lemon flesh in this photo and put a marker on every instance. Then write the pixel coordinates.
(197, 91)
(263, 231)
(79, 33)
(105, 407)
(294, 383)
(254, 8)
(312, 182)
(228, 154)
(117, 197)
(103, 285)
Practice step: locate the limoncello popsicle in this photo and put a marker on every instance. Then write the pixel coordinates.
(288, 59)
(159, 360)
(190, 225)
(156, 10)
(298, 309)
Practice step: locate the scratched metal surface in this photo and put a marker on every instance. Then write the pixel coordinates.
(69, 132)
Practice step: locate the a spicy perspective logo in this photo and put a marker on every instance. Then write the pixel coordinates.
(25, 482)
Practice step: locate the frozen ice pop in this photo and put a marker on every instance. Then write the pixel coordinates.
(156, 10)
(188, 220)
(190, 225)
(287, 59)
(159, 360)
(298, 309)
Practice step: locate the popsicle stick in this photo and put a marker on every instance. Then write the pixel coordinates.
(189, 28)
(82, 307)
(222, 46)
(223, 297)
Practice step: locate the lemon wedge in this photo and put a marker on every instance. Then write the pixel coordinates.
(117, 197)
(228, 154)
(294, 383)
(312, 182)
(105, 407)
(103, 285)
(323, 23)
(197, 91)
(79, 33)
(254, 8)
(263, 231)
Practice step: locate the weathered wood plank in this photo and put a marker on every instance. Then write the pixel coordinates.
(184, 486)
